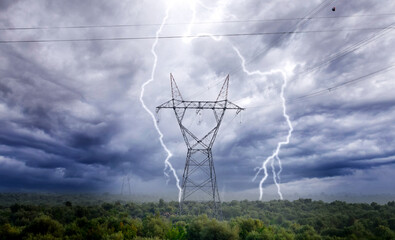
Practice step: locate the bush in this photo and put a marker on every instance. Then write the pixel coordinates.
(44, 225)
(8, 232)
(209, 229)
(248, 225)
(154, 226)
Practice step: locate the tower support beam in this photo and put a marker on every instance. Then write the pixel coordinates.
(199, 172)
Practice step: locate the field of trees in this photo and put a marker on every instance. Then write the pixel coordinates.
(76, 217)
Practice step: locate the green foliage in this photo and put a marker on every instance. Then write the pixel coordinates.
(247, 226)
(43, 226)
(254, 235)
(8, 232)
(305, 233)
(176, 233)
(154, 226)
(209, 229)
(252, 220)
(383, 232)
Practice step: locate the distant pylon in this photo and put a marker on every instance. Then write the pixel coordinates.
(126, 180)
(199, 173)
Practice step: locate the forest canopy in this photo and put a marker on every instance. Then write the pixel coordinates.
(76, 218)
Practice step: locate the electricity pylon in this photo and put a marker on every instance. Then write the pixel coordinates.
(126, 181)
(199, 173)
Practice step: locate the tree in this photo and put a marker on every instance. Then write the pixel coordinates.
(8, 232)
(209, 229)
(44, 225)
(383, 232)
(248, 225)
(154, 226)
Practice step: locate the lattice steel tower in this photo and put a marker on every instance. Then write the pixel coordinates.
(126, 184)
(199, 172)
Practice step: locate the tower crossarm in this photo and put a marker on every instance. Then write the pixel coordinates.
(179, 104)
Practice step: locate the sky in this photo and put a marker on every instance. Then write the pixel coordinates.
(71, 119)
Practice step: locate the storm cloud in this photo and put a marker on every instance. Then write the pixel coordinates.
(71, 119)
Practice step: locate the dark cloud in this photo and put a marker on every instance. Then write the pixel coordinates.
(71, 119)
(4, 5)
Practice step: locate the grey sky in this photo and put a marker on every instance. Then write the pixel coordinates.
(71, 119)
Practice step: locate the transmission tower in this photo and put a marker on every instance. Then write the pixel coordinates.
(199, 173)
(126, 183)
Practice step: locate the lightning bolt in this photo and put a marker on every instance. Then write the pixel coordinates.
(187, 39)
(187, 36)
(169, 154)
(168, 165)
(274, 157)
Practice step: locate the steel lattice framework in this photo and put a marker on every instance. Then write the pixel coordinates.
(199, 172)
(126, 183)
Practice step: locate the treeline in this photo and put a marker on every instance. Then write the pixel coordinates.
(252, 220)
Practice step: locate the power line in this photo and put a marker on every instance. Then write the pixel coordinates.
(190, 36)
(331, 58)
(332, 88)
(348, 50)
(295, 27)
(195, 23)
